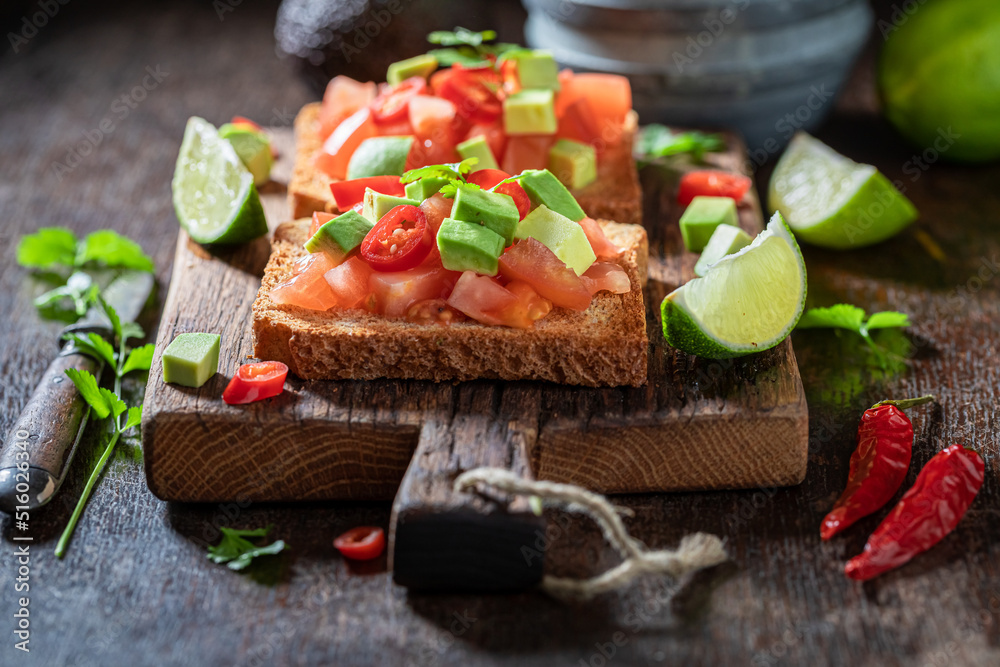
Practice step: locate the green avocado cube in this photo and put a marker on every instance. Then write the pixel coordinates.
(544, 189)
(537, 69)
(469, 247)
(340, 236)
(493, 210)
(423, 188)
(402, 70)
(725, 240)
(559, 234)
(573, 163)
(191, 359)
(379, 156)
(478, 148)
(702, 216)
(377, 204)
(530, 112)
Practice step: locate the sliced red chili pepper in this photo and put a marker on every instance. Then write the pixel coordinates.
(348, 193)
(517, 193)
(487, 178)
(391, 105)
(943, 492)
(399, 241)
(255, 382)
(878, 465)
(712, 183)
(361, 543)
(472, 91)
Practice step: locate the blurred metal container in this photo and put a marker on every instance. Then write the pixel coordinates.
(763, 67)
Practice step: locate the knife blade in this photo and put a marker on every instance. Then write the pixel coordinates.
(43, 440)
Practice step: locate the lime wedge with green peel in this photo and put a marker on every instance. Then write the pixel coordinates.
(253, 148)
(832, 201)
(746, 302)
(214, 195)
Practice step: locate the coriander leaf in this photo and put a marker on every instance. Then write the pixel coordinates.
(238, 552)
(460, 36)
(132, 330)
(660, 141)
(113, 250)
(93, 345)
(139, 359)
(116, 323)
(450, 189)
(887, 319)
(86, 384)
(49, 246)
(841, 316)
(465, 56)
(116, 404)
(134, 417)
(455, 170)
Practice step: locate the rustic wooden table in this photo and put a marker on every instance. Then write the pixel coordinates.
(136, 588)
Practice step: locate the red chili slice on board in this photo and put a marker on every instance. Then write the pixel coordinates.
(392, 104)
(255, 382)
(361, 543)
(399, 241)
(711, 183)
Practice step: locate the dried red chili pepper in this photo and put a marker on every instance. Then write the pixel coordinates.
(924, 515)
(878, 464)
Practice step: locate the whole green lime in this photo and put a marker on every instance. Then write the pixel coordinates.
(939, 76)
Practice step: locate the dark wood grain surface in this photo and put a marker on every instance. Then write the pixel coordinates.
(136, 589)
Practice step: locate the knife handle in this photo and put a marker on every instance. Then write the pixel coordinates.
(44, 438)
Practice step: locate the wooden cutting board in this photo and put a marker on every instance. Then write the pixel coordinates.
(697, 424)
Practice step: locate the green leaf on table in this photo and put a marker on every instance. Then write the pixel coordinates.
(139, 359)
(657, 140)
(134, 417)
(109, 248)
(49, 246)
(116, 404)
(86, 384)
(132, 330)
(237, 552)
(94, 346)
(887, 320)
(840, 316)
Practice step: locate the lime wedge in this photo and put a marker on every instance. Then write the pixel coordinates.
(746, 302)
(253, 148)
(831, 201)
(214, 195)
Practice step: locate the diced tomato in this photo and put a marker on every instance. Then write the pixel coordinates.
(608, 95)
(395, 292)
(343, 98)
(340, 145)
(361, 543)
(527, 151)
(487, 178)
(246, 123)
(508, 73)
(255, 382)
(348, 193)
(603, 247)
(436, 207)
(307, 288)
(579, 124)
(473, 91)
(320, 218)
(399, 241)
(432, 117)
(712, 183)
(487, 301)
(496, 138)
(391, 105)
(349, 281)
(531, 262)
(606, 276)
(428, 151)
(434, 311)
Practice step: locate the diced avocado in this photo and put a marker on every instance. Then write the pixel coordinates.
(478, 148)
(544, 189)
(379, 156)
(725, 240)
(421, 65)
(537, 69)
(573, 163)
(493, 210)
(191, 359)
(340, 235)
(702, 216)
(377, 204)
(530, 112)
(469, 247)
(425, 187)
(560, 235)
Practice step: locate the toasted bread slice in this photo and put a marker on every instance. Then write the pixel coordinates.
(605, 345)
(615, 195)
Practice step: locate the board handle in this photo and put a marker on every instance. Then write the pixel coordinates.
(443, 540)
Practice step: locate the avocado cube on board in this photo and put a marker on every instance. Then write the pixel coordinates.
(191, 359)
(573, 163)
(379, 156)
(402, 70)
(340, 236)
(423, 188)
(377, 204)
(725, 240)
(537, 69)
(494, 210)
(544, 189)
(530, 112)
(467, 246)
(478, 148)
(559, 234)
(702, 216)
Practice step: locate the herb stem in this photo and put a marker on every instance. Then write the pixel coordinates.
(67, 533)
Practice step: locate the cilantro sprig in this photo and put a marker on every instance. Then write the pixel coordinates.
(467, 48)
(657, 140)
(852, 318)
(454, 172)
(237, 552)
